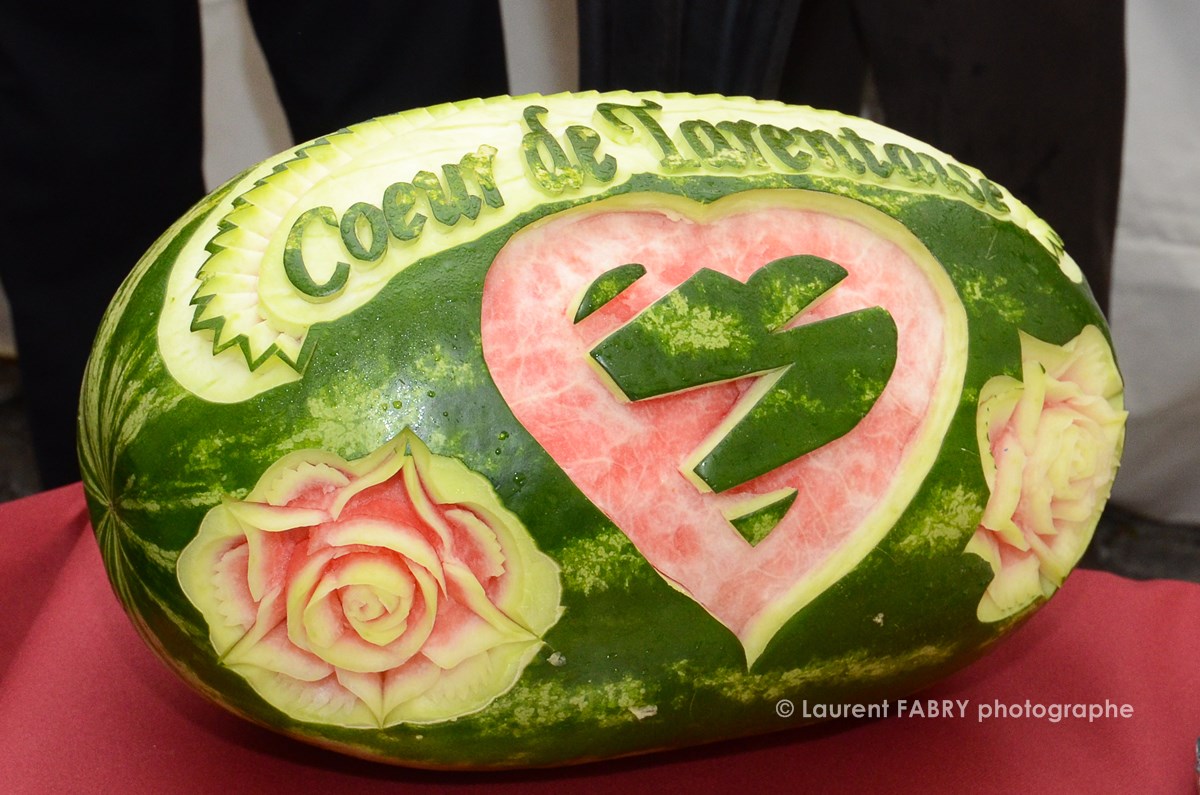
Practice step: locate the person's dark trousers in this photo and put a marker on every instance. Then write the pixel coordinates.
(1032, 92)
(101, 143)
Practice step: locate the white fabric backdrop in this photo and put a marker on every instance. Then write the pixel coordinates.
(1156, 297)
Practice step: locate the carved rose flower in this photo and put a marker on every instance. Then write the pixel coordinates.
(1050, 445)
(393, 588)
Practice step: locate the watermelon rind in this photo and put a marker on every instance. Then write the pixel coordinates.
(324, 311)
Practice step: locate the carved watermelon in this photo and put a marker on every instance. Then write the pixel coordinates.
(529, 431)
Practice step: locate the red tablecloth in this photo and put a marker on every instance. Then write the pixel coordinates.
(86, 707)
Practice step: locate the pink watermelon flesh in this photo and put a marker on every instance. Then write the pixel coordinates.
(626, 457)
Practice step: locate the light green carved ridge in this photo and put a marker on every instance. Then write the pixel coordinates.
(227, 301)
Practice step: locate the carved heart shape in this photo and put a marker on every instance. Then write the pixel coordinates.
(626, 456)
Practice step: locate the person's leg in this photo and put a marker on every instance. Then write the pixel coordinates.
(336, 67)
(826, 65)
(100, 151)
(698, 46)
(1032, 93)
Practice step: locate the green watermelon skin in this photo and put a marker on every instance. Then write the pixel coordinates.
(633, 664)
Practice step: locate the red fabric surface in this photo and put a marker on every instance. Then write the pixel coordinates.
(86, 707)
